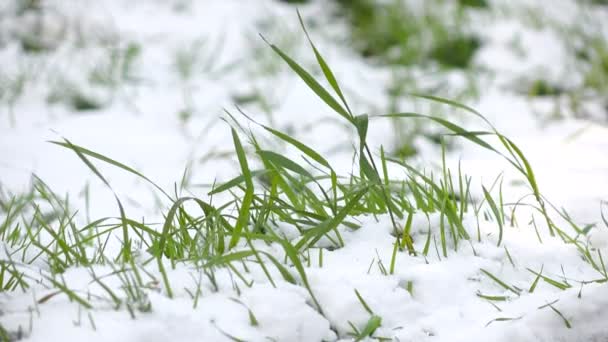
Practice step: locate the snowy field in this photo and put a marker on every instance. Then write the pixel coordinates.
(180, 170)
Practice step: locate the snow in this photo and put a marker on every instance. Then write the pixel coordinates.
(139, 125)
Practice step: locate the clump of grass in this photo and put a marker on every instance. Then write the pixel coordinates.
(474, 3)
(294, 1)
(589, 54)
(27, 5)
(397, 33)
(74, 97)
(456, 52)
(597, 58)
(81, 102)
(589, 50)
(41, 28)
(118, 65)
(541, 88)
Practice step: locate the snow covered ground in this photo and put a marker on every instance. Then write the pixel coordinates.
(146, 82)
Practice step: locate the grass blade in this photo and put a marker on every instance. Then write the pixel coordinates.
(243, 217)
(310, 81)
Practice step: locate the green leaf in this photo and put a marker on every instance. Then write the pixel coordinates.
(504, 319)
(83, 151)
(535, 282)
(368, 170)
(284, 272)
(472, 136)
(560, 285)
(235, 181)
(240, 152)
(300, 146)
(312, 83)
(243, 218)
(284, 162)
(329, 76)
(70, 293)
(362, 123)
(496, 213)
(362, 301)
(500, 282)
(226, 258)
(372, 324)
(453, 104)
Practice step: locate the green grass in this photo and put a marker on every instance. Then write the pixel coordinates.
(541, 88)
(397, 33)
(596, 58)
(38, 37)
(305, 193)
(474, 3)
(588, 52)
